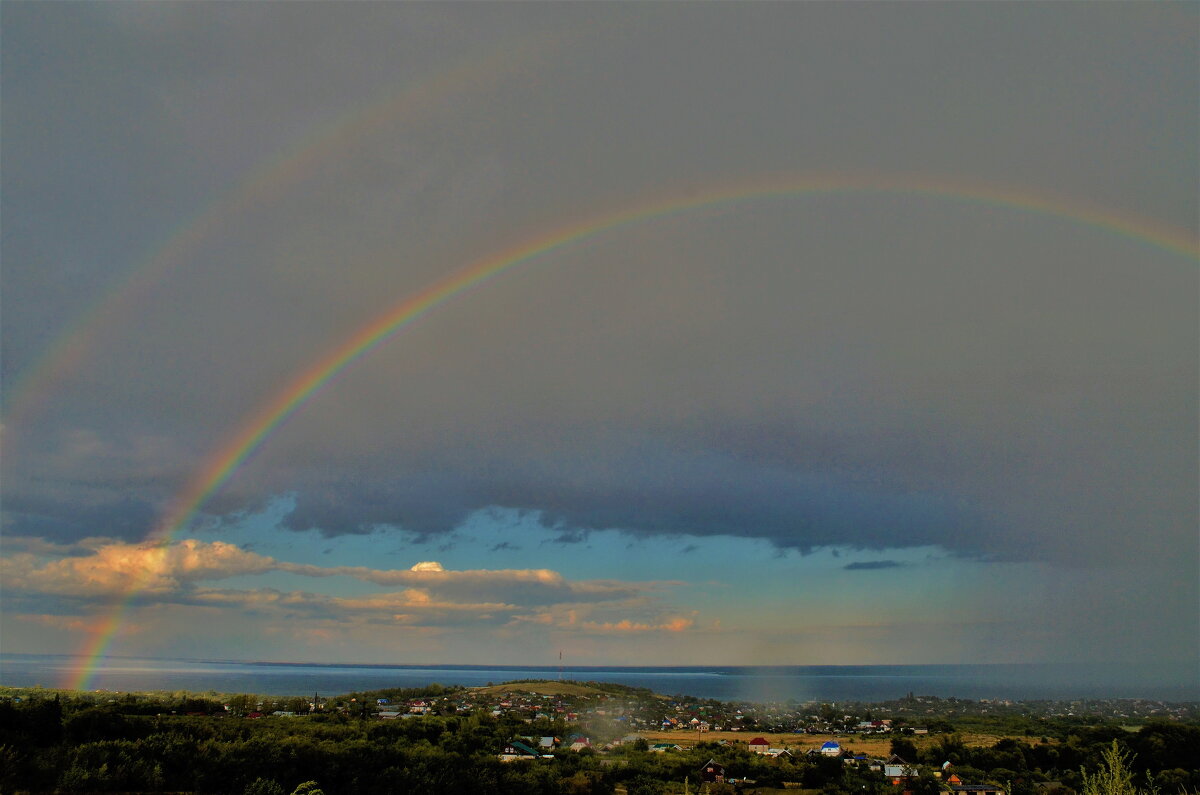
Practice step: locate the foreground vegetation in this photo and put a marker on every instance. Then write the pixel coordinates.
(87, 742)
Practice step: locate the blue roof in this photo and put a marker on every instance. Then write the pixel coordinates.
(831, 744)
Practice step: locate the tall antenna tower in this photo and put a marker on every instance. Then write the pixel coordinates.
(560, 665)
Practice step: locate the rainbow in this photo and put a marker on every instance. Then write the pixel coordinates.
(262, 184)
(251, 433)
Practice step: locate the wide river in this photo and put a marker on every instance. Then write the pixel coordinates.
(1167, 682)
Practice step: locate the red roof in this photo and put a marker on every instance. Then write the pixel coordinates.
(759, 741)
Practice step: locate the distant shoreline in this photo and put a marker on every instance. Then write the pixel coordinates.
(875, 667)
(863, 683)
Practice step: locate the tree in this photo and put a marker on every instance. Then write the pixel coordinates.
(905, 749)
(242, 703)
(1114, 776)
(264, 786)
(925, 784)
(644, 785)
(297, 705)
(10, 758)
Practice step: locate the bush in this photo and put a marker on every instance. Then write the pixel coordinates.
(264, 786)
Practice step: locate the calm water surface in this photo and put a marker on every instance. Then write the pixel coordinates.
(1164, 681)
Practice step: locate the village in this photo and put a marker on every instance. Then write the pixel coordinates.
(612, 722)
(619, 710)
(588, 737)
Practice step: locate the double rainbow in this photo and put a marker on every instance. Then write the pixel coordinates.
(261, 185)
(252, 432)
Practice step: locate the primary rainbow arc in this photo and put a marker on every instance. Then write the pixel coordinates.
(252, 432)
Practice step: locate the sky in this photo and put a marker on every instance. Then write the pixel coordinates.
(783, 333)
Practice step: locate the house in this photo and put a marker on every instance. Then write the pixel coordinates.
(712, 771)
(628, 738)
(662, 748)
(759, 746)
(578, 742)
(517, 750)
(897, 771)
(874, 726)
(547, 743)
(779, 753)
(830, 748)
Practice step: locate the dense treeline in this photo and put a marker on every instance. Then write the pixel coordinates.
(611, 688)
(136, 745)
(48, 746)
(1170, 752)
(402, 693)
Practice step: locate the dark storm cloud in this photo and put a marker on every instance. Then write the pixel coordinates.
(52, 518)
(872, 565)
(674, 486)
(860, 372)
(425, 505)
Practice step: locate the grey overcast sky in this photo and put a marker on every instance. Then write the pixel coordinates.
(943, 411)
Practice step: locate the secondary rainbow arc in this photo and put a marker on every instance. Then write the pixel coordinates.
(253, 431)
(269, 178)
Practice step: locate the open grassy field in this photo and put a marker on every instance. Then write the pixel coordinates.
(796, 743)
(541, 688)
(874, 745)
